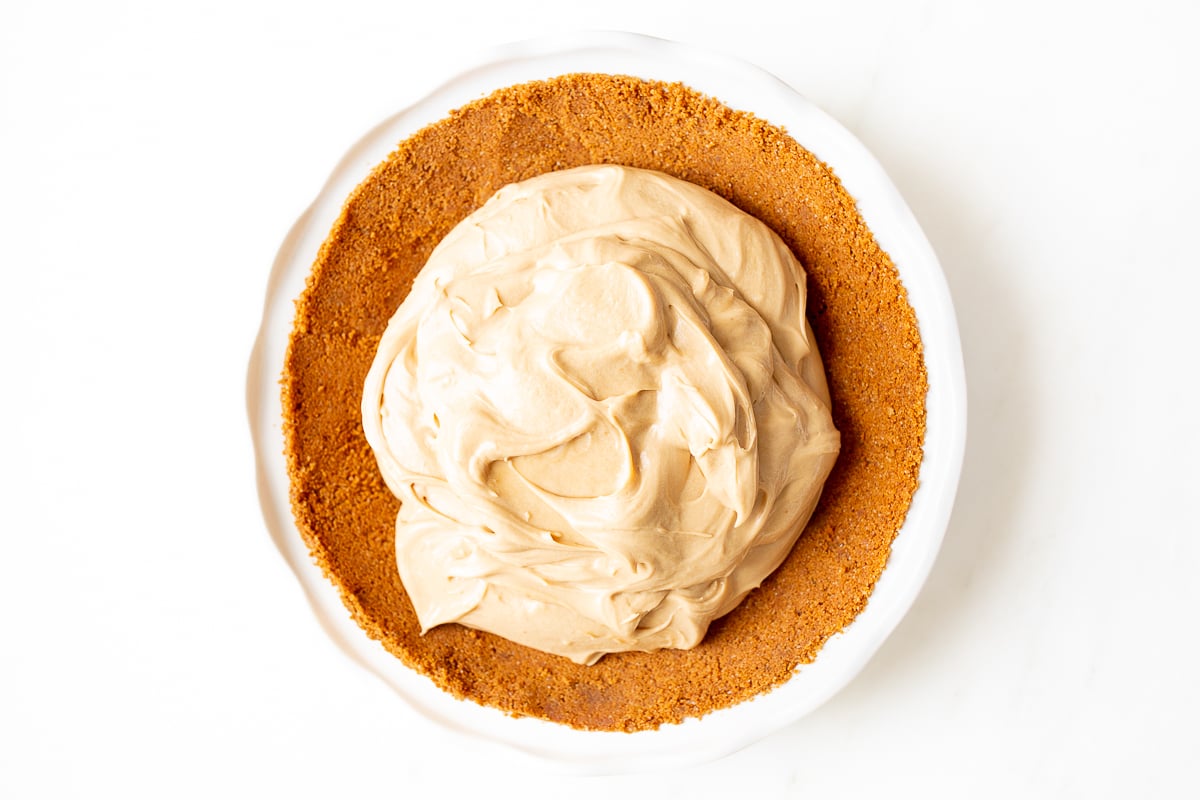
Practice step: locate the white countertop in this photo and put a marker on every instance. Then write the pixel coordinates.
(151, 162)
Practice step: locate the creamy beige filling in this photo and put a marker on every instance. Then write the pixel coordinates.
(603, 413)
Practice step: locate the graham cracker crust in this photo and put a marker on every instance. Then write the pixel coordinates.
(866, 331)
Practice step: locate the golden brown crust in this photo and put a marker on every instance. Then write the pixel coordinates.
(866, 331)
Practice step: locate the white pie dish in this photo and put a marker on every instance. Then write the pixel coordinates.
(743, 87)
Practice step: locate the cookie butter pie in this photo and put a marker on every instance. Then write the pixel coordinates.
(594, 476)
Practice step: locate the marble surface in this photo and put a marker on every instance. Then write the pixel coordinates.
(152, 160)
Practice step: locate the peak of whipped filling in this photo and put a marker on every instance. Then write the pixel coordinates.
(603, 413)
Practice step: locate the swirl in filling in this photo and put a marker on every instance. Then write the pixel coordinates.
(603, 412)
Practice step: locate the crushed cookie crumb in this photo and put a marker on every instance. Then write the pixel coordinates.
(867, 335)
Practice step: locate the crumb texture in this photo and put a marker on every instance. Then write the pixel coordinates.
(866, 331)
